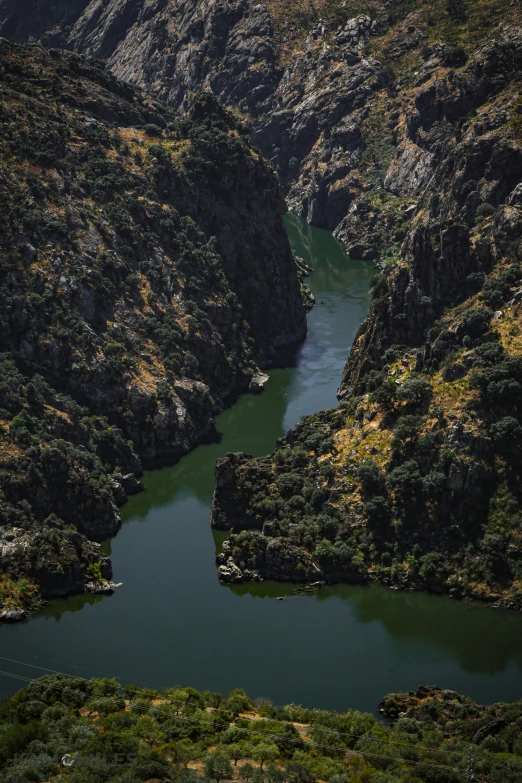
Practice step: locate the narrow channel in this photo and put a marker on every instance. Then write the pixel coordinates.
(172, 622)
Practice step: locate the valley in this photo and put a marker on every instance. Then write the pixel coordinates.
(260, 391)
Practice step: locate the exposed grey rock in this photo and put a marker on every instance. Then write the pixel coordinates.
(101, 588)
(258, 382)
(132, 485)
(12, 615)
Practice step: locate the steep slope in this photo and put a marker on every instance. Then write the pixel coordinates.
(26, 20)
(171, 47)
(397, 126)
(321, 86)
(145, 276)
(415, 480)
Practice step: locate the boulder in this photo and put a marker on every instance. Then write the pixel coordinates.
(257, 384)
(12, 615)
(131, 484)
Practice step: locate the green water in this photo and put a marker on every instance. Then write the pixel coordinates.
(172, 622)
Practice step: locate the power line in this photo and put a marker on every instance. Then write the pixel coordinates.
(324, 730)
(181, 701)
(263, 734)
(313, 744)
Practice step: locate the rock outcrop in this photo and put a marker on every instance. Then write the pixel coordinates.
(412, 481)
(329, 99)
(173, 48)
(145, 277)
(399, 128)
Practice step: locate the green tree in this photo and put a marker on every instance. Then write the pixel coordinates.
(506, 434)
(371, 477)
(377, 510)
(238, 750)
(405, 482)
(265, 751)
(218, 767)
(385, 396)
(184, 751)
(247, 772)
(413, 391)
(298, 773)
(406, 431)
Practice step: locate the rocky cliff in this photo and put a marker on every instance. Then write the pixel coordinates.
(145, 276)
(327, 89)
(171, 47)
(398, 126)
(413, 481)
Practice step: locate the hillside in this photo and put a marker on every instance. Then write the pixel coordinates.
(414, 480)
(127, 735)
(325, 87)
(398, 126)
(145, 277)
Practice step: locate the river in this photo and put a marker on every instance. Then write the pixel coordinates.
(172, 622)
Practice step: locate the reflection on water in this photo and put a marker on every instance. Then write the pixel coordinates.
(172, 621)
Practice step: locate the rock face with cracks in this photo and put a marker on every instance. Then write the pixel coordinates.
(412, 482)
(145, 278)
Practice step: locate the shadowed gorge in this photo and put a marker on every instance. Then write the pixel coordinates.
(215, 636)
(261, 308)
(146, 276)
(396, 126)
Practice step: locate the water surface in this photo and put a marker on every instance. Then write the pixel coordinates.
(172, 622)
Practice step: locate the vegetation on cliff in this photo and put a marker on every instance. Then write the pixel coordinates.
(398, 126)
(145, 274)
(414, 480)
(127, 735)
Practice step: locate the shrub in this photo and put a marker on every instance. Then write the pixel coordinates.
(485, 210)
(218, 767)
(152, 130)
(391, 353)
(406, 431)
(433, 484)
(405, 482)
(374, 379)
(377, 511)
(378, 285)
(475, 281)
(385, 396)
(163, 390)
(431, 566)
(414, 390)
(494, 292)
(506, 433)
(290, 484)
(489, 354)
(371, 477)
(476, 322)
(500, 384)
